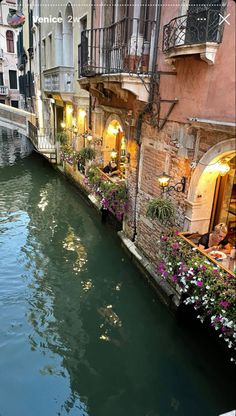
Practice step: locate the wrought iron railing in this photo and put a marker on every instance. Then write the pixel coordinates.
(193, 28)
(124, 46)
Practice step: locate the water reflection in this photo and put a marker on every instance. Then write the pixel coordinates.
(13, 147)
(89, 321)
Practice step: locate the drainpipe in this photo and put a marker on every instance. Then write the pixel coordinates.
(90, 96)
(147, 109)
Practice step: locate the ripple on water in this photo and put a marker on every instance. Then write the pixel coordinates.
(13, 147)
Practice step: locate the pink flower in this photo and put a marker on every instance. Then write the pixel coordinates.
(199, 283)
(175, 246)
(224, 303)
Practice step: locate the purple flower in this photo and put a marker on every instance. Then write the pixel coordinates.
(164, 238)
(224, 303)
(161, 267)
(175, 246)
(174, 278)
(199, 283)
(201, 268)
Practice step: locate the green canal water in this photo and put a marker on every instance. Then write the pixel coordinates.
(81, 332)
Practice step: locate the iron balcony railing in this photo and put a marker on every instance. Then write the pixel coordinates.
(123, 47)
(193, 28)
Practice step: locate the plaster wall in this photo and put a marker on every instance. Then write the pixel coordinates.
(204, 91)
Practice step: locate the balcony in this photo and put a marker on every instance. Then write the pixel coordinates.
(121, 50)
(1, 54)
(194, 33)
(3, 90)
(59, 80)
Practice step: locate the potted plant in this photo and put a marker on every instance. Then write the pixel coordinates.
(161, 209)
(84, 155)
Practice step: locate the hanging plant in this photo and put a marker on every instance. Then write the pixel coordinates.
(86, 154)
(161, 209)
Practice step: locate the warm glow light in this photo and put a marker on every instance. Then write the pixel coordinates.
(164, 179)
(113, 154)
(69, 110)
(222, 167)
(75, 130)
(63, 124)
(89, 137)
(112, 130)
(82, 113)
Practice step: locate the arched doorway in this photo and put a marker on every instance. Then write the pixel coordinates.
(68, 37)
(212, 192)
(114, 143)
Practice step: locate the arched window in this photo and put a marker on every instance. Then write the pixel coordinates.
(10, 41)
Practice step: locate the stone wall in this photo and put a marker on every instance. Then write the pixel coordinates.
(171, 150)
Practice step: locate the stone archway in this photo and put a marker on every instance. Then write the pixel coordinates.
(202, 187)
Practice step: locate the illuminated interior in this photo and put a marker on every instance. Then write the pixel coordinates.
(114, 145)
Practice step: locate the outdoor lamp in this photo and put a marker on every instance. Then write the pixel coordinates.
(89, 137)
(223, 167)
(63, 124)
(75, 130)
(113, 154)
(164, 180)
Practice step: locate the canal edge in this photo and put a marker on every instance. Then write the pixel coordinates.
(164, 291)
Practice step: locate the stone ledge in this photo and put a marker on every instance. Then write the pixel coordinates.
(165, 292)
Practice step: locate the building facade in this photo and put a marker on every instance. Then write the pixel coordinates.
(9, 86)
(63, 107)
(162, 82)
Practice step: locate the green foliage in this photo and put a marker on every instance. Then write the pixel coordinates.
(113, 196)
(205, 285)
(86, 154)
(161, 209)
(61, 137)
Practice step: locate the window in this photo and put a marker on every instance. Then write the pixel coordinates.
(44, 53)
(1, 78)
(13, 80)
(10, 41)
(14, 103)
(49, 51)
(2, 101)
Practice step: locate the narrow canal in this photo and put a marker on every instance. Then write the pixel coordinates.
(81, 333)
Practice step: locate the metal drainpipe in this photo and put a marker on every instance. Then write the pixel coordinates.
(147, 109)
(40, 53)
(90, 97)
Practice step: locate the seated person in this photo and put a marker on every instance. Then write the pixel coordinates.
(111, 169)
(215, 240)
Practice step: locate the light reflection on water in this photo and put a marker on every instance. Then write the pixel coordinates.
(80, 333)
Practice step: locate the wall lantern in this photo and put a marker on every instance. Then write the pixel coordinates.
(164, 180)
(63, 125)
(113, 154)
(75, 130)
(89, 137)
